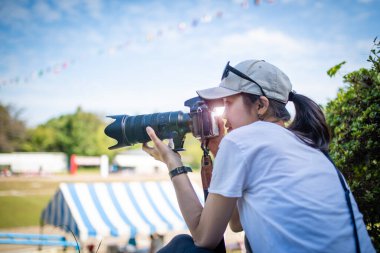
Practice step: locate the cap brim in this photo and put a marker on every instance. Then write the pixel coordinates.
(216, 93)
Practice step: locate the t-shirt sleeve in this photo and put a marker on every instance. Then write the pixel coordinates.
(229, 173)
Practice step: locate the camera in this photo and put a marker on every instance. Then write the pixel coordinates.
(129, 130)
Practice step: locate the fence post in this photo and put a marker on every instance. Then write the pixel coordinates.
(104, 169)
(73, 164)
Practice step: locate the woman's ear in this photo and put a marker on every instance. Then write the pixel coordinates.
(263, 105)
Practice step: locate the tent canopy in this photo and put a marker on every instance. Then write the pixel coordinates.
(115, 209)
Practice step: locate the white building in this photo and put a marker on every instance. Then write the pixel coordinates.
(137, 161)
(34, 162)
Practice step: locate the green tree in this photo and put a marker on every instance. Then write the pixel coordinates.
(354, 117)
(79, 133)
(12, 129)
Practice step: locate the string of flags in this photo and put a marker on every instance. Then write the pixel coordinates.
(182, 26)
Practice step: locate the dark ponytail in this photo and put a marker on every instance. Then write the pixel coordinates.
(309, 122)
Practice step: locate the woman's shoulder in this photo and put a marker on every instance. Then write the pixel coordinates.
(258, 129)
(255, 134)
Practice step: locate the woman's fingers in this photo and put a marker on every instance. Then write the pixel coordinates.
(157, 142)
(152, 135)
(146, 148)
(220, 123)
(151, 151)
(161, 151)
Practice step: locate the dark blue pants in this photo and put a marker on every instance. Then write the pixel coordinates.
(183, 244)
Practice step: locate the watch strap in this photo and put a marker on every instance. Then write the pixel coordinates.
(179, 170)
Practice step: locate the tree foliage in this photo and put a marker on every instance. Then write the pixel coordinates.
(79, 133)
(12, 129)
(354, 117)
(332, 71)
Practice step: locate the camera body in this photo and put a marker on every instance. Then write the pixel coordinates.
(129, 130)
(203, 124)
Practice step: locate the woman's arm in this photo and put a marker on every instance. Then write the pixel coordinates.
(234, 223)
(207, 224)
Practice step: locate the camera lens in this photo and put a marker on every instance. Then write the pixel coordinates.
(129, 130)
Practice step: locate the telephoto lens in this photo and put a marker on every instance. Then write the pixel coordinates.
(129, 130)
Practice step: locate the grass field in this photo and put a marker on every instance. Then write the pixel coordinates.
(21, 202)
(21, 211)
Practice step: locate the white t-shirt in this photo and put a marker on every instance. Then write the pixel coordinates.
(289, 195)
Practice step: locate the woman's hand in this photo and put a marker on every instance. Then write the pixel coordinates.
(160, 151)
(213, 143)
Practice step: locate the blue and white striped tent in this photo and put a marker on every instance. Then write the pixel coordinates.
(115, 209)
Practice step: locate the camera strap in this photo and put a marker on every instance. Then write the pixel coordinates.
(206, 174)
(348, 201)
(206, 170)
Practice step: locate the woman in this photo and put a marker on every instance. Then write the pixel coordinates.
(275, 183)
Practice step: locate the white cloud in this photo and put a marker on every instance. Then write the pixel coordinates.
(365, 1)
(305, 61)
(362, 16)
(294, 1)
(44, 11)
(363, 45)
(13, 11)
(261, 40)
(94, 7)
(69, 6)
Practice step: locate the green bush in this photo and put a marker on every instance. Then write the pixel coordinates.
(354, 118)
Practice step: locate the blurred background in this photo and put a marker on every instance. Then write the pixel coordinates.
(66, 65)
(150, 56)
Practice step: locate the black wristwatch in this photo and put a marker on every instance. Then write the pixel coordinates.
(179, 170)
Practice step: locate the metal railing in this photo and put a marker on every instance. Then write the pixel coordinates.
(37, 239)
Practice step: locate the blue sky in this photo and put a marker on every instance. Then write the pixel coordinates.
(139, 57)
